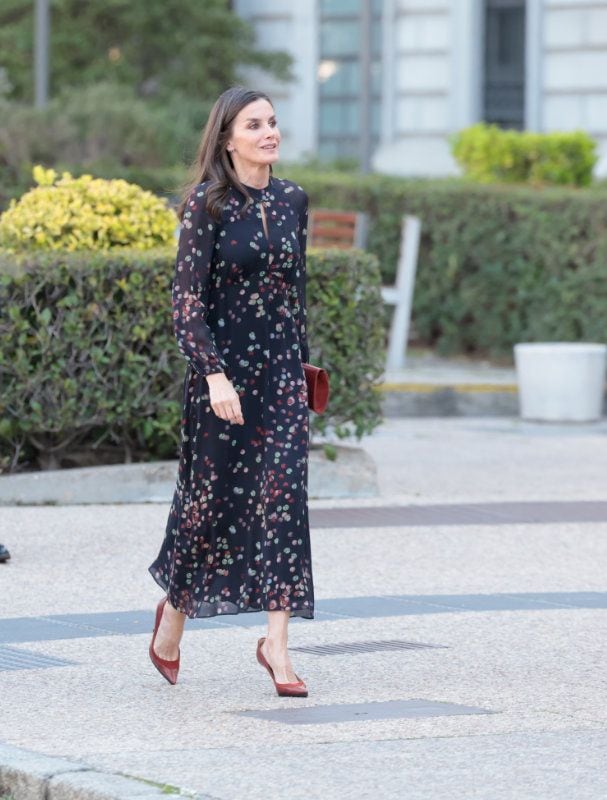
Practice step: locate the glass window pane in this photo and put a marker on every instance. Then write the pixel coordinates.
(510, 42)
(340, 7)
(339, 38)
(352, 117)
(339, 77)
(338, 148)
(376, 78)
(504, 62)
(345, 80)
(330, 121)
(376, 118)
(376, 37)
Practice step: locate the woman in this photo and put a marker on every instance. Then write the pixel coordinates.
(237, 537)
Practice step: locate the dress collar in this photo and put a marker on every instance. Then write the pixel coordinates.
(259, 193)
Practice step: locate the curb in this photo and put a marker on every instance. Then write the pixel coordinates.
(25, 775)
(467, 388)
(352, 474)
(420, 399)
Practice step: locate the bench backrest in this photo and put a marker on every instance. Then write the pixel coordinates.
(343, 229)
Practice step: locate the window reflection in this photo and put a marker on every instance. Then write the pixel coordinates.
(339, 76)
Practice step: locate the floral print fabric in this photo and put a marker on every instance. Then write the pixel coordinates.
(237, 537)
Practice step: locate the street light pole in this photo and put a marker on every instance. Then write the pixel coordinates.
(41, 52)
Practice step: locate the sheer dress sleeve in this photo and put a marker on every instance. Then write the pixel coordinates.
(191, 288)
(298, 288)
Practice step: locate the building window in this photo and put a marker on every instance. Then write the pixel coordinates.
(339, 77)
(504, 85)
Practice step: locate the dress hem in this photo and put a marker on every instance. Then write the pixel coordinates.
(303, 613)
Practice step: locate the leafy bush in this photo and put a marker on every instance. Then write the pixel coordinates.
(85, 213)
(90, 371)
(347, 336)
(490, 154)
(105, 130)
(497, 264)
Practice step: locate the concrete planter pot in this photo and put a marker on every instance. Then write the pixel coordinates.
(561, 381)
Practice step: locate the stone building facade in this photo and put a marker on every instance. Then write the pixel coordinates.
(435, 67)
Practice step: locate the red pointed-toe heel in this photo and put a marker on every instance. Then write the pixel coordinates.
(296, 689)
(168, 669)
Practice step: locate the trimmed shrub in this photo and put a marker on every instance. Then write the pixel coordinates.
(490, 154)
(85, 213)
(497, 264)
(90, 371)
(347, 336)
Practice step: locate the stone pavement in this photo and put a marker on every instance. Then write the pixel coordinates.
(457, 651)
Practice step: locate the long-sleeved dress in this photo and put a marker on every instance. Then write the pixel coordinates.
(237, 537)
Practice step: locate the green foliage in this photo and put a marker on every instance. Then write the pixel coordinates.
(490, 154)
(131, 86)
(347, 332)
(85, 213)
(162, 48)
(90, 372)
(106, 130)
(497, 264)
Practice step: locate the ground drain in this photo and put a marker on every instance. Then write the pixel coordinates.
(11, 659)
(364, 647)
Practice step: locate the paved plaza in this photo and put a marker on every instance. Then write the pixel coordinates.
(458, 649)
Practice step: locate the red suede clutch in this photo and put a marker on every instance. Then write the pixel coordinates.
(317, 380)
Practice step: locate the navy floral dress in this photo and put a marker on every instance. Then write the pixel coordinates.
(237, 537)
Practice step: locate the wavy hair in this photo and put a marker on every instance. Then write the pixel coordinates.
(213, 162)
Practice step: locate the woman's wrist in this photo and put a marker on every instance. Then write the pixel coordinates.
(216, 377)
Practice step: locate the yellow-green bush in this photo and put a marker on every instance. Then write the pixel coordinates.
(85, 213)
(490, 154)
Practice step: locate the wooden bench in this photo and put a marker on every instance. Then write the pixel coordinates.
(346, 229)
(343, 229)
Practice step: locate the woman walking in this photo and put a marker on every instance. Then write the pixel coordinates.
(237, 538)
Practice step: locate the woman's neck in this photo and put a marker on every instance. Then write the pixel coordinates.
(257, 180)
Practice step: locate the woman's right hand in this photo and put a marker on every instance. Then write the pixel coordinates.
(224, 398)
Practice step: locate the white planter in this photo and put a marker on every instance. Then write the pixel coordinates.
(561, 381)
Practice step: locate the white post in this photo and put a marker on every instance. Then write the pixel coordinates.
(401, 295)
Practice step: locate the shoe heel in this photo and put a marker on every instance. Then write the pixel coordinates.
(296, 689)
(168, 669)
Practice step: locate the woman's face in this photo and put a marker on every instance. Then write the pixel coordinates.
(255, 136)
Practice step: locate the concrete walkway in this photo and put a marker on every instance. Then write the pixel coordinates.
(457, 652)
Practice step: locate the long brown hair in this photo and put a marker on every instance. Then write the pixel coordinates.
(213, 162)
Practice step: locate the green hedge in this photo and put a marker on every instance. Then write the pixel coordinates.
(497, 264)
(90, 371)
